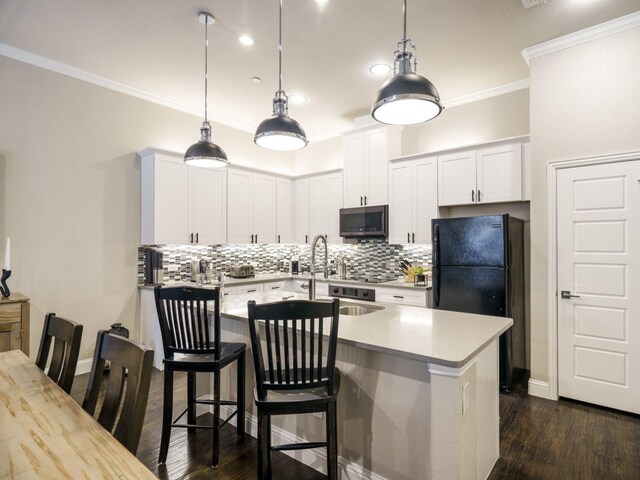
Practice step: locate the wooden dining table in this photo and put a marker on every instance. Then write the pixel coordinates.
(44, 433)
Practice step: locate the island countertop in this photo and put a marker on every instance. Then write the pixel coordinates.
(451, 339)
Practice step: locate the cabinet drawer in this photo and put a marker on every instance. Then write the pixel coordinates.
(270, 286)
(10, 313)
(402, 296)
(247, 289)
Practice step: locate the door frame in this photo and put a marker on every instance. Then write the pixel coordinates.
(552, 260)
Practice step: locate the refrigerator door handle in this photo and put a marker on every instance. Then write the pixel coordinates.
(436, 266)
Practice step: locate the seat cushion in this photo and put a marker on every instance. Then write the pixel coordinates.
(228, 353)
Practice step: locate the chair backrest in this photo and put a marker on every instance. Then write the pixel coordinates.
(66, 347)
(293, 333)
(138, 361)
(184, 320)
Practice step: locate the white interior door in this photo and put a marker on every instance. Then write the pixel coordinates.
(598, 220)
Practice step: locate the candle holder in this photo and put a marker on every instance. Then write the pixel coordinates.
(4, 290)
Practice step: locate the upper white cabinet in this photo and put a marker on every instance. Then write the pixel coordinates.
(487, 175)
(284, 210)
(301, 210)
(366, 157)
(181, 204)
(325, 202)
(251, 207)
(413, 200)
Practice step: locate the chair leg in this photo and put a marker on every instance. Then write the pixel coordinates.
(332, 441)
(167, 412)
(191, 396)
(216, 419)
(264, 446)
(240, 396)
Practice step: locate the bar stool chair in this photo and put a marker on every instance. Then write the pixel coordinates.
(67, 336)
(123, 408)
(190, 346)
(293, 373)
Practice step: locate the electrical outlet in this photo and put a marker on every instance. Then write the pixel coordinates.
(465, 398)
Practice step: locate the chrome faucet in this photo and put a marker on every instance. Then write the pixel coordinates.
(312, 279)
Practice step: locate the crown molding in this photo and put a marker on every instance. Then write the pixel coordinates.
(487, 93)
(85, 76)
(582, 36)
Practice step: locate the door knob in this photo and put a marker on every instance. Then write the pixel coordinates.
(567, 294)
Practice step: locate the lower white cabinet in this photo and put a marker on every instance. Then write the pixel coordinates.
(273, 286)
(413, 200)
(402, 296)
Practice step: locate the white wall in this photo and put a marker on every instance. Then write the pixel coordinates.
(72, 191)
(584, 102)
(319, 157)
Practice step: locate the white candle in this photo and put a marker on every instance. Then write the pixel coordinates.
(7, 256)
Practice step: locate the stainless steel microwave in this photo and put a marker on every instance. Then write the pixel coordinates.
(364, 222)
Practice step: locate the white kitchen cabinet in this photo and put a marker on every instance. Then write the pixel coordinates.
(366, 157)
(413, 200)
(487, 175)
(181, 204)
(325, 202)
(252, 207)
(301, 210)
(402, 296)
(273, 286)
(284, 210)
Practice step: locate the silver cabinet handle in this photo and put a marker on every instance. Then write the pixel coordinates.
(479, 200)
(408, 237)
(256, 238)
(306, 239)
(567, 294)
(275, 288)
(252, 238)
(197, 237)
(398, 296)
(360, 201)
(365, 199)
(473, 195)
(251, 291)
(191, 238)
(413, 238)
(278, 238)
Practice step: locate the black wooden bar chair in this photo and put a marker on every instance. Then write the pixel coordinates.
(122, 417)
(193, 344)
(294, 374)
(67, 336)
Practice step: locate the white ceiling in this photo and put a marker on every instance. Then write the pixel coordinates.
(464, 46)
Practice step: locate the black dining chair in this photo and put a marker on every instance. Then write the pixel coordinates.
(125, 402)
(66, 336)
(192, 343)
(295, 372)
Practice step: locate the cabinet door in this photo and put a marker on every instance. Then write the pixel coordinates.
(425, 198)
(239, 207)
(209, 205)
(264, 208)
(301, 211)
(457, 178)
(355, 170)
(10, 336)
(333, 206)
(284, 211)
(377, 167)
(318, 200)
(400, 202)
(171, 202)
(500, 174)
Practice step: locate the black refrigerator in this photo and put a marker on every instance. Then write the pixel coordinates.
(478, 267)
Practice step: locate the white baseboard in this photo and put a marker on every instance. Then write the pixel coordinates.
(315, 458)
(538, 388)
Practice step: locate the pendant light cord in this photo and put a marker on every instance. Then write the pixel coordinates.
(206, 63)
(404, 33)
(280, 49)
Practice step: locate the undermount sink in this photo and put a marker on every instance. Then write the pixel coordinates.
(355, 309)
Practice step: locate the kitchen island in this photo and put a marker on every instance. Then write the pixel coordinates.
(419, 393)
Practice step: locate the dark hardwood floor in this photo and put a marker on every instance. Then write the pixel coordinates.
(539, 439)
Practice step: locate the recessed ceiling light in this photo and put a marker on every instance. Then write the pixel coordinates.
(246, 40)
(380, 69)
(297, 98)
(256, 79)
(322, 2)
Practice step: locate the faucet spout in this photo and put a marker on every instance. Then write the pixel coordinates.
(312, 280)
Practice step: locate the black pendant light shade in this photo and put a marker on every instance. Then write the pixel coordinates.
(205, 153)
(407, 98)
(280, 131)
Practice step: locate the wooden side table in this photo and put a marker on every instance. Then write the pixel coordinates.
(14, 323)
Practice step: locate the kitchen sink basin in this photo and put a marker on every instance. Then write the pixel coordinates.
(355, 309)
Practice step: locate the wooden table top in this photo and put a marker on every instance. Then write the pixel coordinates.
(44, 433)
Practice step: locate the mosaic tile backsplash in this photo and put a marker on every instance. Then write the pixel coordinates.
(370, 258)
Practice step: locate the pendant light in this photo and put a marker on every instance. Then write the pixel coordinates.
(406, 98)
(280, 131)
(205, 153)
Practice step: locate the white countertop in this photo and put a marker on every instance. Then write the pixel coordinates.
(451, 339)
